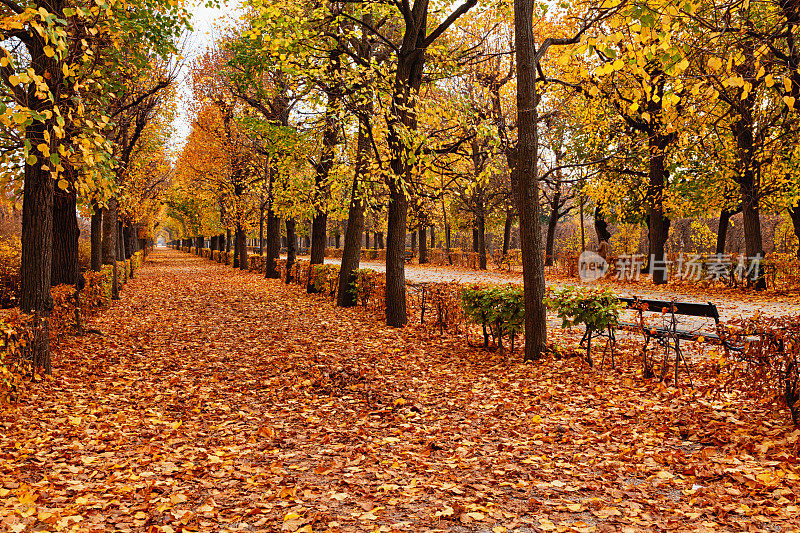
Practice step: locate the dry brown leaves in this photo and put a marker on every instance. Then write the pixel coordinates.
(217, 400)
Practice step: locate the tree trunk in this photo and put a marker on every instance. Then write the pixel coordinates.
(481, 244)
(291, 247)
(97, 239)
(601, 226)
(475, 237)
(242, 247)
(423, 245)
(64, 267)
(507, 231)
(526, 181)
(722, 231)
(37, 249)
(379, 236)
(110, 244)
(414, 242)
(658, 223)
(395, 259)
(261, 229)
(236, 248)
(271, 269)
(121, 248)
(551, 228)
(433, 236)
(351, 255)
(366, 233)
(228, 240)
(794, 213)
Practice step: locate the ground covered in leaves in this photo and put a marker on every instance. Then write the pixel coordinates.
(216, 400)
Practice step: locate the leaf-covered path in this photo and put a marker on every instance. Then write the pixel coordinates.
(217, 400)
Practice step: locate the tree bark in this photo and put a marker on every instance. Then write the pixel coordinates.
(794, 213)
(526, 180)
(507, 231)
(481, 244)
(601, 226)
(242, 247)
(64, 267)
(121, 248)
(261, 229)
(351, 255)
(227, 240)
(366, 233)
(271, 269)
(97, 239)
(722, 231)
(291, 247)
(414, 242)
(433, 236)
(236, 248)
(380, 244)
(37, 249)
(551, 228)
(658, 223)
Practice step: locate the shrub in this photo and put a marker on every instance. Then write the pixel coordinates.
(365, 281)
(10, 257)
(84, 255)
(499, 310)
(325, 278)
(769, 368)
(596, 308)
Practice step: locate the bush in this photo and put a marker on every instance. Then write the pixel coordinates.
(84, 255)
(769, 368)
(596, 308)
(364, 285)
(10, 257)
(325, 278)
(499, 310)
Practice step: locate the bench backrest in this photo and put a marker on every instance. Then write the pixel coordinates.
(708, 310)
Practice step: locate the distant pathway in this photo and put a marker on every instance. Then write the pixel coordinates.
(731, 305)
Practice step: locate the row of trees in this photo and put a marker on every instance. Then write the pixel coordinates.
(644, 111)
(85, 116)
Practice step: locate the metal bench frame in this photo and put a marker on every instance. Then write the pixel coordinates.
(668, 335)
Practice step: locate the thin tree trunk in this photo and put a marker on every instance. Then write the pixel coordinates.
(366, 233)
(526, 180)
(722, 231)
(291, 247)
(433, 236)
(659, 224)
(121, 248)
(423, 245)
(240, 244)
(481, 244)
(227, 240)
(551, 228)
(97, 239)
(794, 213)
(261, 228)
(507, 231)
(236, 248)
(351, 255)
(271, 269)
(414, 242)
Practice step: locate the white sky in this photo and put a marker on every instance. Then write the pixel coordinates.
(205, 22)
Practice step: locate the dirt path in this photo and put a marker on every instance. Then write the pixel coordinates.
(731, 305)
(216, 400)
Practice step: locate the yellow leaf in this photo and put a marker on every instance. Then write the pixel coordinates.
(81, 500)
(787, 84)
(48, 51)
(19, 118)
(13, 80)
(290, 516)
(476, 516)
(574, 507)
(789, 101)
(769, 81)
(714, 63)
(537, 419)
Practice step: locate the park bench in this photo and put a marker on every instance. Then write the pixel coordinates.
(409, 256)
(668, 333)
